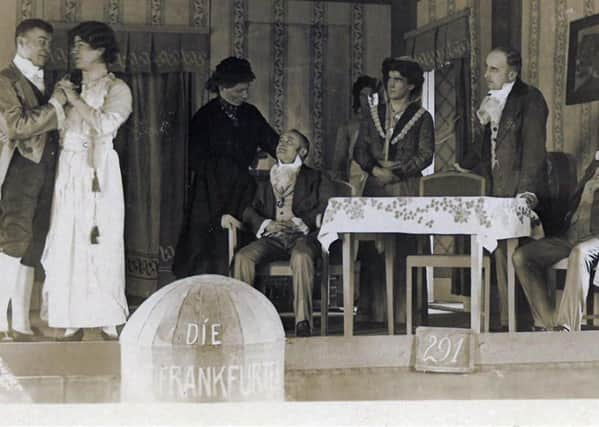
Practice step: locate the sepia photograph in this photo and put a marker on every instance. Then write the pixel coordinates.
(299, 212)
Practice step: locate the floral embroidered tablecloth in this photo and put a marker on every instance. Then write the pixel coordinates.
(491, 218)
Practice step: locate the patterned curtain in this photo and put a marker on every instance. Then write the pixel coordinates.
(161, 70)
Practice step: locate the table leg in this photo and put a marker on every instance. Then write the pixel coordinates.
(348, 286)
(389, 258)
(512, 244)
(476, 268)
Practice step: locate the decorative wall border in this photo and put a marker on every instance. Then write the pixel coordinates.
(199, 13)
(432, 10)
(474, 26)
(357, 47)
(318, 38)
(533, 42)
(559, 77)
(587, 109)
(239, 19)
(279, 63)
(112, 12)
(71, 9)
(155, 15)
(24, 9)
(451, 7)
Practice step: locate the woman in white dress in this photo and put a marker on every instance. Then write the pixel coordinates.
(84, 254)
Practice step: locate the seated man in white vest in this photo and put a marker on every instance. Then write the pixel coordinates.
(283, 216)
(578, 241)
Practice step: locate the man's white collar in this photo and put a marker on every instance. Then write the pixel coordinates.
(297, 163)
(26, 66)
(32, 72)
(502, 93)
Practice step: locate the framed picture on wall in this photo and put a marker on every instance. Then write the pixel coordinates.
(583, 61)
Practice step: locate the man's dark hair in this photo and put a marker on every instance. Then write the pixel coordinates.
(99, 36)
(360, 83)
(303, 138)
(514, 59)
(29, 24)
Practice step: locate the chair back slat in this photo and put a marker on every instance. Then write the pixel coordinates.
(452, 184)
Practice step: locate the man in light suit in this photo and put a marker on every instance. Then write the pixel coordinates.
(511, 154)
(283, 217)
(28, 153)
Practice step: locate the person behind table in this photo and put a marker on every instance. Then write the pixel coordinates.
(342, 164)
(401, 124)
(511, 154)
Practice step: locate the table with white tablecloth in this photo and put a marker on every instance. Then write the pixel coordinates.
(485, 219)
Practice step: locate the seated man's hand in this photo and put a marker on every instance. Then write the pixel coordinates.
(279, 226)
(531, 199)
(383, 175)
(388, 164)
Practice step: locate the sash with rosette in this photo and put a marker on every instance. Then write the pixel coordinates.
(406, 122)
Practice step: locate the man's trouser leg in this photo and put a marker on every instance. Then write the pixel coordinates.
(531, 262)
(580, 263)
(257, 252)
(303, 255)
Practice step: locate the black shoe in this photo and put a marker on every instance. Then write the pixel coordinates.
(77, 336)
(538, 329)
(302, 329)
(561, 328)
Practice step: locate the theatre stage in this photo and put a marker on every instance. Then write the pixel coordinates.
(508, 366)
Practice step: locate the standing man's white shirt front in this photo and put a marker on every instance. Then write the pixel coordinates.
(490, 111)
(35, 75)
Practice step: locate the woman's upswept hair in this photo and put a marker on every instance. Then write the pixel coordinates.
(360, 83)
(98, 35)
(408, 68)
(229, 72)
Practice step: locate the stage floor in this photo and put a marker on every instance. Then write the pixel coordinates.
(508, 366)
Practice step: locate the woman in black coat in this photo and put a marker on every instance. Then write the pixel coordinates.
(224, 137)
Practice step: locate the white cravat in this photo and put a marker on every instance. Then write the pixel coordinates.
(490, 111)
(32, 72)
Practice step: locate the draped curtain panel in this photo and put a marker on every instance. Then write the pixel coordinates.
(160, 69)
(306, 56)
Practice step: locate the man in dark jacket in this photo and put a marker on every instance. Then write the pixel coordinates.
(579, 241)
(283, 217)
(28, 153)
(511, 154)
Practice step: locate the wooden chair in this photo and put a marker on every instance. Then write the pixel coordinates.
(447, 184)
(282, 268)
(592, 298)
